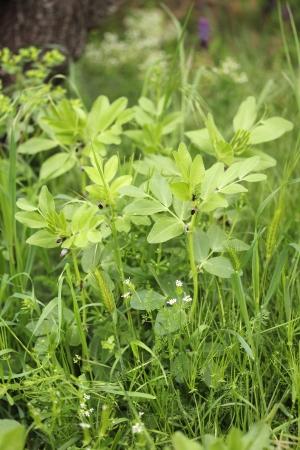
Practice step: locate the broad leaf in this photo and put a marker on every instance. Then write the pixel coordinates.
(219, 266)
(183, 161)
(36, 145)
(165, 229)
(12, 435)
(132, 191)
(46, 201)
(31, 218)
(180, 442)
(110, 168)
(144, 207)
(43, 238)
(147, 300)
(169, 320)
(270, 129)
(161, 190)
(246, 115)
(57, 165)
(201, 139)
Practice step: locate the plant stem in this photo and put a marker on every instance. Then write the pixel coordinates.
(193, 267)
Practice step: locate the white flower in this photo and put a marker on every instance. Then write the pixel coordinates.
(137, 427)
(126, 295)
(76, 359)
(88, 412)
(86, 396)
(127, 281)
(179, 283)
(172, 301)
(187, 298)
(64, 252)
(85, 425)
(82, 405)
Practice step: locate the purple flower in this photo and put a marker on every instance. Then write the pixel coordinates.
(204, 31)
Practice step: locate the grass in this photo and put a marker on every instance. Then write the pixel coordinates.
(80, 367)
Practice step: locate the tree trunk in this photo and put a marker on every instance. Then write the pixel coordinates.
(63, 24)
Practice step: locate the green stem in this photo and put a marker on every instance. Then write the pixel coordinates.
(79, 322)
(238, 288)
(193, 267)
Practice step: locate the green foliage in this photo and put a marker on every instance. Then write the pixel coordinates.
(256, 439)
(12, 435)
(147, 284)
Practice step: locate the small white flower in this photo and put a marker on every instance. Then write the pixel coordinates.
(127, 281)
(126, 295)
(88, 412)
(86, 396)
(187, 298)
(64, 252)
(84, 425)
(82, 405)
(137, 427)
(179, 283)
(141, 413)
(76, 359)
(172, 301)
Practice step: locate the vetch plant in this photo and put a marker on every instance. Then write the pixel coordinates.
(77, 133)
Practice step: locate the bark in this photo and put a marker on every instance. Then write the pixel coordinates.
(63, 24)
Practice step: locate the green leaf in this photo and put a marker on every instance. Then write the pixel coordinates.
(248, 165)
(212, 179)
(110, 168)
(216, 238)
(270, 129)
(181, 190)
(169, 320)
(12, 435)
(246, 115)
(169, 123)
(201, 139)
(180, 442)
(132, 191)
(31, 219)
(161, 190)
(36, 145)
(120, 182)
(147, 300)
(254, 177)
(236, 245)
(144, 207)
(258, 437)
(165, 229)
(197, 172)
(46, 201)
(183, 161)
(201, 245)
(23, 203)
(100, 105)
(219, 266)
(112, 113)
(43, 238)
(57, 165)
(147, 105)
(213, 202)
(233, 188)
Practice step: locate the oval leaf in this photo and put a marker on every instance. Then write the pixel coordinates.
(165, 229)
